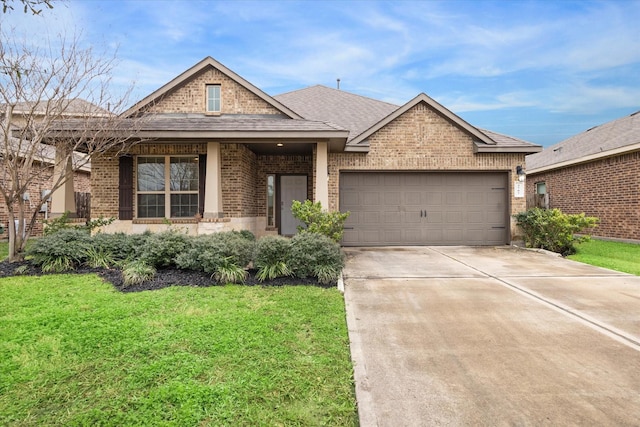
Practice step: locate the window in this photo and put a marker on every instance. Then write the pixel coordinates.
(167, 187)
(271, 197)
(541, 188)
(213, 98)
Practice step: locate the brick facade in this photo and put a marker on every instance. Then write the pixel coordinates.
(190, 98)
(607, 188)
(423, 140)
(81, 183)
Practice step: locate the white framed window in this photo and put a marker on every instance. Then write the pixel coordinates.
(167, 186)
(271, 200)
(541, 187)
(213, 99)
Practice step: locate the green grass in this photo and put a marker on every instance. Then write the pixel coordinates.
(75, 352)
(617, 256)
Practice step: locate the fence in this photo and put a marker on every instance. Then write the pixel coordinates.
(538, 201)
(83, 205)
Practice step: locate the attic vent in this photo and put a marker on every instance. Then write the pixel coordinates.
(633, 114)
(557, 150)
(591, 128)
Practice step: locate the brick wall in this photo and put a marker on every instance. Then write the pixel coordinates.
(279, 165)
(190, 97)
(238, 181)
(422, 140)
(607, 188)
(81, 183)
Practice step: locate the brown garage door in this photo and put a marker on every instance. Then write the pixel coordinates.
(419, 208)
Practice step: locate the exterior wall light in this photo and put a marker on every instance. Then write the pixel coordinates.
(520, 173)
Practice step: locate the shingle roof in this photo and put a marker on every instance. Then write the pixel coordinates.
(605, 139)
(240, 123)
(505, 140)
(347, 110)
(360, 114)
(75, 107)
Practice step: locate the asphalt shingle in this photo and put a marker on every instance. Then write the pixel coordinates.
(606, 137)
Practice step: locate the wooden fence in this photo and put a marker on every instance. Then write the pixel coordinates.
(538, 201)
(83, 205)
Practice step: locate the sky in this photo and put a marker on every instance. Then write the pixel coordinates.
(537, 70)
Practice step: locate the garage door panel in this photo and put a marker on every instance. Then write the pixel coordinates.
(392, 198)
(391, 180)
(388, 208)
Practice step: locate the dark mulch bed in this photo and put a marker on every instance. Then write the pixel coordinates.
(163, 278)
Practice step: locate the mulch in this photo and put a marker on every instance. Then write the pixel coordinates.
(162, 279)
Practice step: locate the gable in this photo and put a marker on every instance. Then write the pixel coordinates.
(190, 97)
(186, 94)
(420, 131)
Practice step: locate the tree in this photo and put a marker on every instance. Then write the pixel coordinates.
(29, 5)
(40, 88)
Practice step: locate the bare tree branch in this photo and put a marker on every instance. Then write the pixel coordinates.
(55, 106)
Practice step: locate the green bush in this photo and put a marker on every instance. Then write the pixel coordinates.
(270, 257)
(136, 272)
(553, 230)
(330, 224)
(98, 258)
(120, 246)
(229, 272)
(208, 252)
(312, 254)
(162, 249)
(62, 251)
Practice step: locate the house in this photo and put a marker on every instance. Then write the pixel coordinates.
(217, 153)
(595, 172)
(43, 167)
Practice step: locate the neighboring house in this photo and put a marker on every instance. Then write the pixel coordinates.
(596, 172)
(217, 153)
(44, 168)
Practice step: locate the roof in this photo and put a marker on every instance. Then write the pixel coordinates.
(347, 110)
(612, 138)
(75, 107)
(506, 143)
(198, 68)
(364, 116)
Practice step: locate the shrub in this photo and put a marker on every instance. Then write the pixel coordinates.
(330, 224)
(553, 230)
(136, 272)
(119, 246)
(162, 249)
(270, 257)
(99, 258)
(229, 272)
(311, 253)
(208, 252)
(61, 251)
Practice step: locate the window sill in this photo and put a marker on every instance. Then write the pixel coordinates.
(165, 221)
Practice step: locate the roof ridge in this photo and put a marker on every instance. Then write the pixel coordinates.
(345, 92)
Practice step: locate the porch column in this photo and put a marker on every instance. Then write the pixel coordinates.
(322, 174)
(213, 183)
(63, 199)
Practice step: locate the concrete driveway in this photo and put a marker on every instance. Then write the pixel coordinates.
(491, 336)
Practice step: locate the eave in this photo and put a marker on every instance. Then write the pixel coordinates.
(481, 147)
(586, 159)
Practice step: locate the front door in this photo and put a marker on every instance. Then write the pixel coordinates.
(292, 187)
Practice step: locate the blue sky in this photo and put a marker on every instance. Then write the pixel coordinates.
(537, 70)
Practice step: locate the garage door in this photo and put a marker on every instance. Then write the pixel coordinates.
(417, 208)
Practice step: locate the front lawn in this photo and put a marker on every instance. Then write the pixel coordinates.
(617, 256)
(74, 351)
